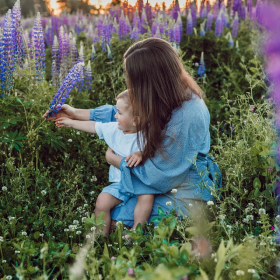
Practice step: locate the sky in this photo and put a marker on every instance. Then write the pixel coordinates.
(97, 3)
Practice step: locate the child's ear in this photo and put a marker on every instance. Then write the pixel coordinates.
(136, 121)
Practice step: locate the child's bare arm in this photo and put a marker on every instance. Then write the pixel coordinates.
(86, 126)
(134, 159)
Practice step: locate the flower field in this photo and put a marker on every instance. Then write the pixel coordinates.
(50, 177)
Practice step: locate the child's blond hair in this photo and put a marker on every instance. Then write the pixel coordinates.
(125, 97)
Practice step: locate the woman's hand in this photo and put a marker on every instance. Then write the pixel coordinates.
(63, 122)
(112, 158)
(66, 111)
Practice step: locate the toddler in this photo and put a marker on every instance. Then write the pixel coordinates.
(121, 137)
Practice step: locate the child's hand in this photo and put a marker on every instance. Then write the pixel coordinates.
(134, 159)
(63, 122)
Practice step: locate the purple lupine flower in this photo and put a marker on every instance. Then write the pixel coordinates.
(209, 21)
(189, 24)
(99, 27)
(39, 49)
(171, 33)
(49, 35)
(93, 52)
(72, 78)
(226, 19)
(144, 22)
(194, 12)
(188, 6)
(122, 27)
(55, 62)
(73, 49)
(88, 77)
(106, 34)
(215, 10)
(140, 7)
(179, 20)
(201, 68)
(249, 8)
(202, 31)
(243, 12)
(175, 10)
(219, 26)
(7, 56)
(235, 24)
(204, 12)
(148, 10)
(95, 36)
(128, 26)
(208, 6)
(135, 32)
(17, 36)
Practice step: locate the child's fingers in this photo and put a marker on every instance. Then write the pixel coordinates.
(132, 162)
(137, 162)
(127, 158)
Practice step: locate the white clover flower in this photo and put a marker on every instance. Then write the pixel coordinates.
(213, 255)
(174, 190)
(228, 226)
(9, 277)
(83, 219)
(66, 229)
(41, 234)
(79, 208)
(11, 218)
(78, 232)
(239, 272)
(277, 217)
(92, 193)
(222, 217)
(17, 252)
(233, 209)
(262, 243)
(245, 220)
(169, 203)
(190, 205)
(43, 192)
(1, 239)
(93, 228)
(4, 261)
(250, 205)
(72, 227)
(75, 222)
(210, 202)
(250, 217)
(109, 245)
(261, 211)
(70, 140)
(93, 179)
(87, 236)
(118, 223)
(85, 205)
(250, 270)
(4, 189)
(215, 260)
(78, 132)
(24, 233)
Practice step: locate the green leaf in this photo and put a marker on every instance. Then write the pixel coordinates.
(161, 212)
(36, 234)
(257, 183)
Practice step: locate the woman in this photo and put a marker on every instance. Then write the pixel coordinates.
(174, 123)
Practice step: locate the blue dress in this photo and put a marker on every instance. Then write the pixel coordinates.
(185, 167)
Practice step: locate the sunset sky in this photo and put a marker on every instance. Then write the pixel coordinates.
(97, 3)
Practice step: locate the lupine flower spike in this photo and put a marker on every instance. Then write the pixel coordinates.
(63, 92)
(209, 21)
(7, 57)
(230, 41)
(201, 68)
(235, 24)
(55, 62)
(135, 32)
(39, 49)
(219, 26)
(189, 24)
(109, 55)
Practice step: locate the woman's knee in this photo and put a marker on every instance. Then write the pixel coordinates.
(146, 198)
(102, 202)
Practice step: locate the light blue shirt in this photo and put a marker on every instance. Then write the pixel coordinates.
(185, 167)
(122, 144)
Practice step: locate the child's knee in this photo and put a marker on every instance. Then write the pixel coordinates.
(102, 203)
(146, 198)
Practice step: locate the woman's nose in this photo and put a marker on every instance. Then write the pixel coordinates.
(116, 115)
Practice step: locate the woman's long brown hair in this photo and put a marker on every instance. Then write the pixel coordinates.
(157, 83)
